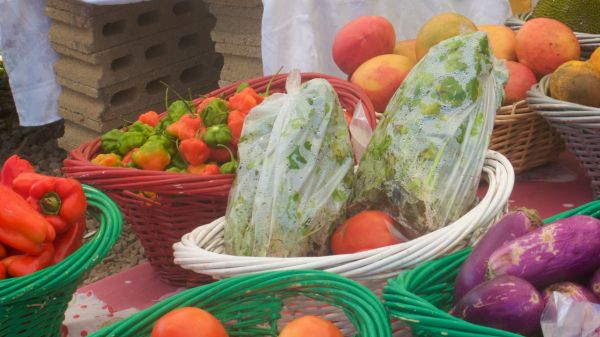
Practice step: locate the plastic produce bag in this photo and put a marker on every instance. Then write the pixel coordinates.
(361, 131)
(424, 161)
(295, 173)
(564, 317)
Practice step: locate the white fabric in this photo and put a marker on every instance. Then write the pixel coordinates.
(29, 60)
(299, 33)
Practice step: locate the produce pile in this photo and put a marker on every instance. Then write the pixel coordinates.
(42, 220)
(508, 280)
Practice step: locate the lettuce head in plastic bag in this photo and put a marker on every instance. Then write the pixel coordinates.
(295, 174)
(424, 161)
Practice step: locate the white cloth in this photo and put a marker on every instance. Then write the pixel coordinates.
(29, 59)
(299, 33)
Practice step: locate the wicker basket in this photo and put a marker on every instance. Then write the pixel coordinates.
(579, 126)
(257, 305)
(35, 305)
(202, 249)
(524, 137)
(588, 42)
(422, 297)
(183, 201)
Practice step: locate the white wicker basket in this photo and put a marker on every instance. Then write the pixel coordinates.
(588, 42)
(202, 249)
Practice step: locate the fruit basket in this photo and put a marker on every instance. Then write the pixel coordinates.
(180, 202)
(255, 305)
(422, 297)
(202, 249)
(34, 305)
(524, 137)
(588, 42)
(579, 126)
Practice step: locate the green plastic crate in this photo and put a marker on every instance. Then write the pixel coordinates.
(422, 297)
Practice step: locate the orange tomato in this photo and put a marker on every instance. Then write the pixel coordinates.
(366, 230)
(188, 322)
(310, 326)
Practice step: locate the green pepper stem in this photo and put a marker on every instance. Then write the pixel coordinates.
(50, 203)
(228, 150)
(271, 81)
(180, 97)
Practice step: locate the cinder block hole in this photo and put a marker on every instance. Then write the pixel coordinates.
(188, 41)
(191, 74)
(123, 97)
(155, 51)
(113, 28)
(148, 18)
(183, 7)
(155, 86)
(121, 62)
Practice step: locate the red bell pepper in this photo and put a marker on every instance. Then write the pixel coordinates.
(13, 166)
(69, 241)
(2, 272)
(2, 251)
(61, 200)
(23, 265)
(21, 226)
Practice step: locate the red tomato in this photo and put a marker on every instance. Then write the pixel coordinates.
(366, 230)
(310, 326)
(188, 322)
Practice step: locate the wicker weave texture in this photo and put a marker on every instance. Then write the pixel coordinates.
(261, 304)
(422, 297)
(35, 305)
(579, 126)
(181, 202)
(524, 137)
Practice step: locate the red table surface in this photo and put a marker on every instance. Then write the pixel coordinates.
(550, 189)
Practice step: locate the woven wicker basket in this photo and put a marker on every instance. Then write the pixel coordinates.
(202, 249)
(524, 137)
(35, 305)
(183, 201)
(579, 126)
(422, 297)
(261, 304)
(588, 42)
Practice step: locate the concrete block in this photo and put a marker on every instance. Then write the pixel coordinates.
(238, 3)
(238, 68)
(76, 135)
(220, 9)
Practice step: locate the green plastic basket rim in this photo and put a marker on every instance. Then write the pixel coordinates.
(423, 311)
(79, 262)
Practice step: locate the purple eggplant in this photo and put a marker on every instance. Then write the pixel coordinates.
(595, 283)
(510, 227)
(506, 302)
(572, 290)
(563, 250)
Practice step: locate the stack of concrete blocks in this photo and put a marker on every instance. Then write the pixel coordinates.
(113, 60)
(237, 38)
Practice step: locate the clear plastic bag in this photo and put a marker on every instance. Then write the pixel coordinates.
(564, 317)
(361, 131)
(295, 173)
(425, 158)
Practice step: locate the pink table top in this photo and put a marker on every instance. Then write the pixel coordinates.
(550, 189)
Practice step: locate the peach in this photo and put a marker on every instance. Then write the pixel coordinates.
(441, 27)
(407, 48)
(502, 41)
(520, 80)
(362, 39)
(544, 44)
(594, 60)
(381, 76)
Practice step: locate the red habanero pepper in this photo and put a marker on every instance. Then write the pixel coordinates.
(245, 100)
(69, 241)
(221, 155)
(23, 265)
(149, 118)
(204, 169)
(186, 127)
(127, 160)
(13, 166)
(194, 151)
(235, 122)
(2, 251)
(60, 200)
(204, 103)
(21, 226)
(348, 118)
(2, 272)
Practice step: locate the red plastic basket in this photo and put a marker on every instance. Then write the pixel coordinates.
(182, 202)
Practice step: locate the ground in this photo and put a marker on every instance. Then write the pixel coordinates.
(39, 146)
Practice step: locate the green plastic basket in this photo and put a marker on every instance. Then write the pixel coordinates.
(253, 305)
(35, 305)
(422, 297)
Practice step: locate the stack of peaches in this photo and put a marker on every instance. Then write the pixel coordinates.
(367, 51)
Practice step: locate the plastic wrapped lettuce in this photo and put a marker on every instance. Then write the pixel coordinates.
(424, 161)
(295, 174)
